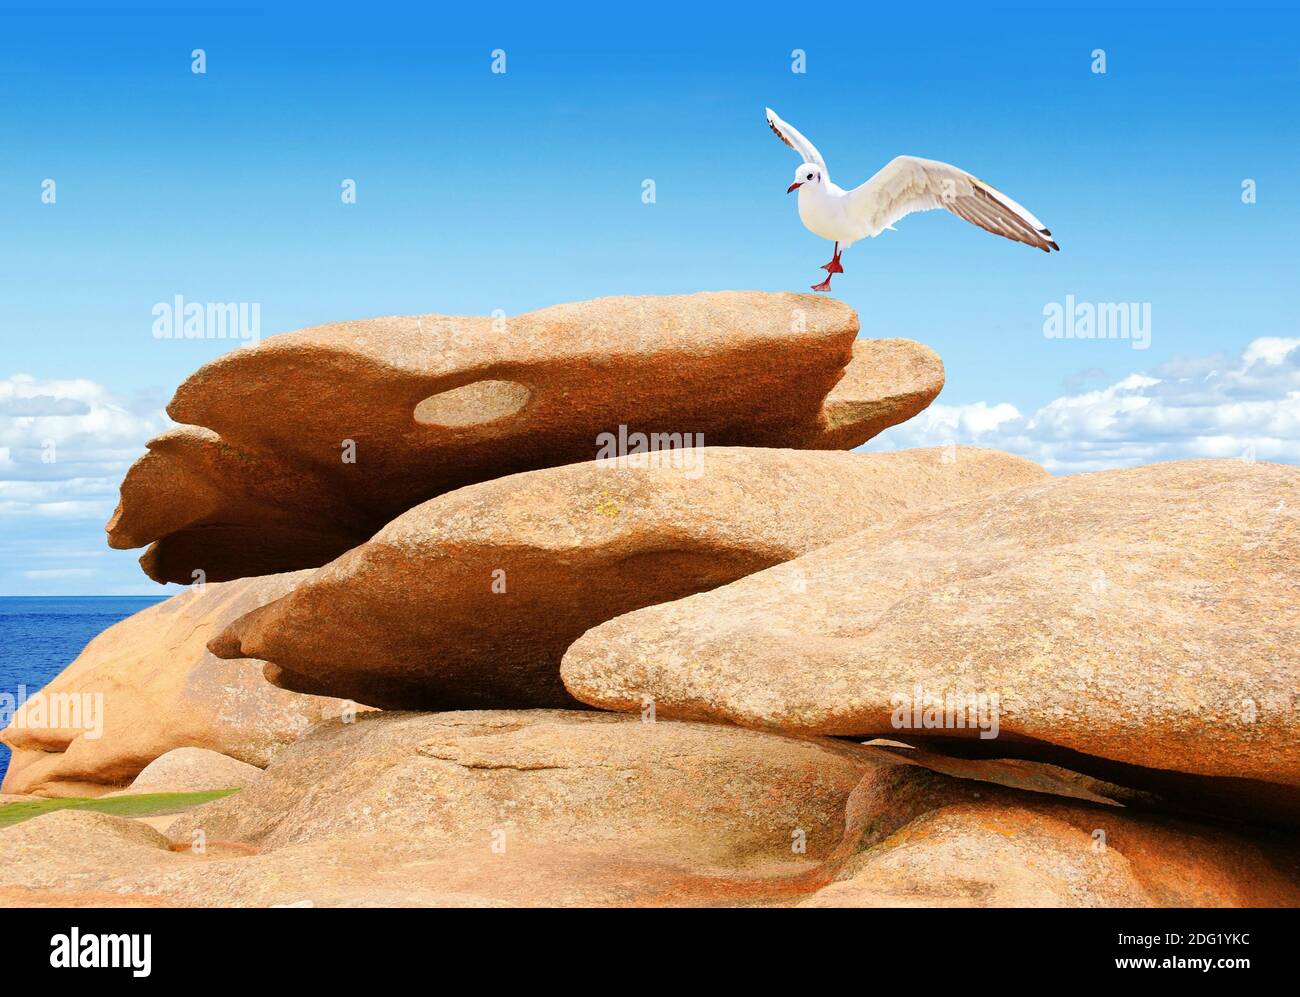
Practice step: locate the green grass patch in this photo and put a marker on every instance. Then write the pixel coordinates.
(143, 805)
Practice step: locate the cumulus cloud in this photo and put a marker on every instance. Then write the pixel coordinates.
(42, 405)
(65, 445)
(1223, 406)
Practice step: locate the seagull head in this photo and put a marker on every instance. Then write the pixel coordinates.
(808, 173)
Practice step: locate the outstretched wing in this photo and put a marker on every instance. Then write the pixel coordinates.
(910, 184)
(792, 137)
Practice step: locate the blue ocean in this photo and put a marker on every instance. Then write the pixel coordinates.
(40, 635)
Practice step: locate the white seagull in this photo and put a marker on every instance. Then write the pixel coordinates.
(905, 185)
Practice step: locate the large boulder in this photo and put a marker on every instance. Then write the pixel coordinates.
(147, 685)
(471, 599)
(529, 807)
(561, 808)
(1138, 624)
(700, 792)
(192, 770)
(926, 840)
(293, 450)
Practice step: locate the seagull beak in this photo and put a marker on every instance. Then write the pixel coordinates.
(794, 186)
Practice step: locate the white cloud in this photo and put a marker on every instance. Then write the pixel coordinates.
(59, 573)
(966, 420)
(1197, 407)
(1271, 349)
(65, 445)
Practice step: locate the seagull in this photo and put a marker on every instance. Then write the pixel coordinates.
(906, 184)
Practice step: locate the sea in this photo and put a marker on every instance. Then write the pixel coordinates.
(41, 635)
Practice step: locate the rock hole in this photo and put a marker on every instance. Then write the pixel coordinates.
(474, 404)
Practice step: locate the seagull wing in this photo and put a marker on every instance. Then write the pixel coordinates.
(792, 137)
(909, 184)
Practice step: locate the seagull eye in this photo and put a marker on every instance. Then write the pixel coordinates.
(810, 176)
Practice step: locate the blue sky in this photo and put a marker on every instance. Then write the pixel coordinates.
(478, 191)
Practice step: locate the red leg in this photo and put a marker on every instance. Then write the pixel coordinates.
(824, 285)
(834, 265)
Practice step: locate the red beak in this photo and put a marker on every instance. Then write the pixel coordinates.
(794, 186)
